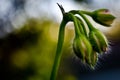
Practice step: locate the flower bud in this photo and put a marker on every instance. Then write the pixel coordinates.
(103, 17)
(98, 41)
(94, 59)
(82, 48)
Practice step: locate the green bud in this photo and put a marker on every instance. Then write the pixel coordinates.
(82, 48)
(98, 41)
(103, 17)
(94, 59)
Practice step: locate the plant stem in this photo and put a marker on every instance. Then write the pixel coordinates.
(86, 12)
(90, 26)
(77, 30)
(58, 51)
(81, 26)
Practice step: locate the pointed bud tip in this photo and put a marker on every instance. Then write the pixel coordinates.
(105, 49)
(61, 8)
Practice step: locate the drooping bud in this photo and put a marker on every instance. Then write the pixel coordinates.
(94, 59)
(82, 48)
(103, 17)
(98, 41)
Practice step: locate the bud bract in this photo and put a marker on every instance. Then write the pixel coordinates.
(94, 59)
(103, 17)
(98, 41)
(82, 48)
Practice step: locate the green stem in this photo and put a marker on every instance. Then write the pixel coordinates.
(84, 28)
(58, 51)
(74, 19)
(87, 13)
(90, 26)
(81, 26)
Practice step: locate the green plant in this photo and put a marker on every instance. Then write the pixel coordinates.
(87, 43)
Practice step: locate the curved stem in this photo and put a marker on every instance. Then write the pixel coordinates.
(84, 28)
(77, 30)
(90, 26)
(81, 26)
(58, 51)
(86, 12)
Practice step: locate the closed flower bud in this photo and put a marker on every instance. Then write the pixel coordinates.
(82, 48)
(94, 59)
(103, 17)
(98, 41)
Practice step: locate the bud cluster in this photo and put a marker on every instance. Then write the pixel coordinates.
(89, 42)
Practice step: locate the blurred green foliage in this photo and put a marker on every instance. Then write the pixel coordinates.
(28, 52)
